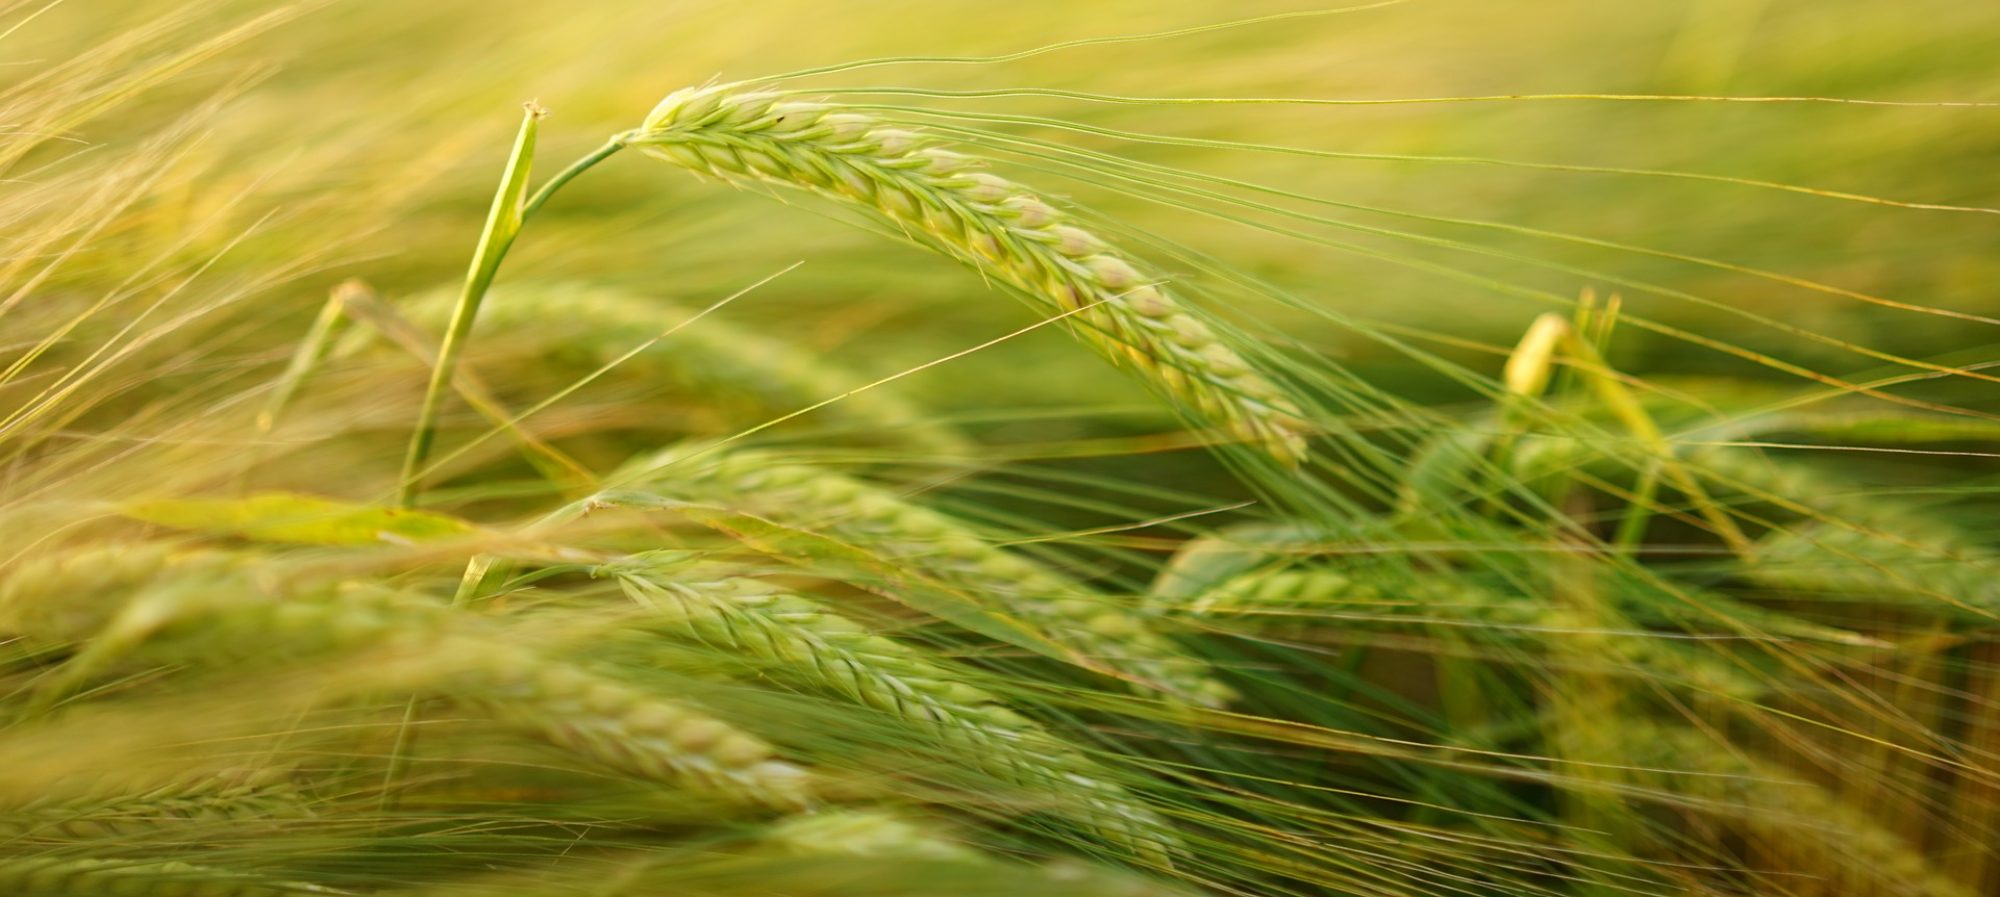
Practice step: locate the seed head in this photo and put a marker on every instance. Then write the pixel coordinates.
(942, 198)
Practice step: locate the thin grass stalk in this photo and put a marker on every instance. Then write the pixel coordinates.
(554, 464)
(1975, 800)
(318, 340)
(569, 324)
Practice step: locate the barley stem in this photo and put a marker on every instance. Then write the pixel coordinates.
(511, 208)
(319, 339)
(534, 203)
(503, 222)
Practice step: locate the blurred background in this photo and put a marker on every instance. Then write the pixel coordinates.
(361, 138)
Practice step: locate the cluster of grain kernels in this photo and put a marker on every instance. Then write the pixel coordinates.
(867, 516)
(941, 198)
(620, 724)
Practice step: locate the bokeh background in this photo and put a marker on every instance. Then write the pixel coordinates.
(361, 138)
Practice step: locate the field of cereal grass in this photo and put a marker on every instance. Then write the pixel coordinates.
(1421, 447)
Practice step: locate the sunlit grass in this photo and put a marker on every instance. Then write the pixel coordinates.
(1640, 545)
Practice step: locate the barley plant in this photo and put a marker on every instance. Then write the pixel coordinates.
(1552, 456)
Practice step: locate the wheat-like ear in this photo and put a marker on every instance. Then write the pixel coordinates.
(884, 835)
(65, 877)
(440, 650)
(943, 201)
(947, 549)
(804, 641)
(66, 595)
(1363, 597)
(865, 833)
(616, 723)
(238, 796)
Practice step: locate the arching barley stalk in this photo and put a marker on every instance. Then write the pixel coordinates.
(942, 200)
(190, 804)
(901, 530)
(865, 833)
(57, 877)
(617, 724)
(215, 613)
(803, 640)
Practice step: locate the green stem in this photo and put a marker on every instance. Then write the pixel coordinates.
(308, 356)
(575, 168)
(511, 208)
(1632, 529)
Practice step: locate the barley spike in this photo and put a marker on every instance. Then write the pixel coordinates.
(805, 640)
(999, 228)
(879, 521)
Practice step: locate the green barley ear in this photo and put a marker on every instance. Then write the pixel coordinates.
(877, 520)
(193, 803)
(943, 201)
(616, 723)
(869, 833)
(62, 877)
(213, 617)
(805, 641)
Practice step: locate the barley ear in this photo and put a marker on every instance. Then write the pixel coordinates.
(874, 519)
(66, 877)
(803, 640)
(1000, 228)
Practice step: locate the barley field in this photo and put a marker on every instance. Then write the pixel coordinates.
(838, 449)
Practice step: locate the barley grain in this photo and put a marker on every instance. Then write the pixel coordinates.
(805, 641)
(879, 521)
(942, 200)
(231, 797)
(55, 877)
(452, 654)
(864, 833)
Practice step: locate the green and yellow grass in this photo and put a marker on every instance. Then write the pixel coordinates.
(1554, 456)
